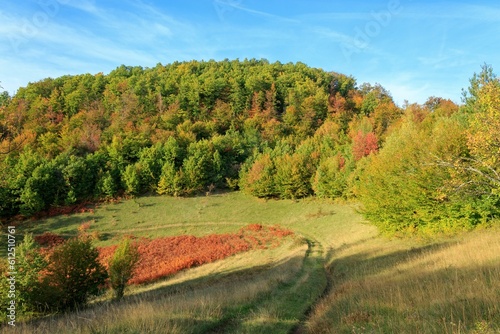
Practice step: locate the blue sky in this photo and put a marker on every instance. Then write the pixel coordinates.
(415, 49)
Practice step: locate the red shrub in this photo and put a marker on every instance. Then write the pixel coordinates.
(165, 256)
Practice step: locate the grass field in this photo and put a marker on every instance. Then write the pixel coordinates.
(335, 276)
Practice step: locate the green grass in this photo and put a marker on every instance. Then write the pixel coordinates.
(157, 216)
(336, 276)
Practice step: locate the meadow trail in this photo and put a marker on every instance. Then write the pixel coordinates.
(301, 327)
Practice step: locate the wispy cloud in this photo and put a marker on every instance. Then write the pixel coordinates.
(455, 11)
(237, 5)
(87, 6)
(337, 16)
(141, 36)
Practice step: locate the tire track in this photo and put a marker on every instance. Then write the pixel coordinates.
(301, 328)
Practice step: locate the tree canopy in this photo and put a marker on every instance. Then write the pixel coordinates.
(271, 129)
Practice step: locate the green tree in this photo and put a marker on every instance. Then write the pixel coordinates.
(121, 266)
(171, 180)
(330, 180)
(30, 288)
(403, 189)
(476, 83)
(258, 180)
(80, 176)
(201, 167)
(45, 187)
(131, 179)
(150, 164)
(293, 174)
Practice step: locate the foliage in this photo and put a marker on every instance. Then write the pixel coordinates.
(30, 289)
(330, 179)
(364, 144)
(75, 273)
(258, 180)
(122, 265)
(131, 179)
(176, 129)
(43, 188)
(293, 174)
(275, 130)
(483, 140)
(161, 257)
(405, 188)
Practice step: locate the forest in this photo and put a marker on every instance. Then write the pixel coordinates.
(272, 130)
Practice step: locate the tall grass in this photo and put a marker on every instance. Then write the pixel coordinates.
(196, 302)
(381, 286)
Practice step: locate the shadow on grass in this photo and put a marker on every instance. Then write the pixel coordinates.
(427, 302)
(68, 223)
(218, 279)
(202, 288)
(371, 264)
(418, 299)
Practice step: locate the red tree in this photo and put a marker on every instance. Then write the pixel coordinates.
(364, 144)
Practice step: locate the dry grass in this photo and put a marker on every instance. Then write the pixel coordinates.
(390, 287)
(195, 301)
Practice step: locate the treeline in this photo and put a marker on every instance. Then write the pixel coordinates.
(274, 130)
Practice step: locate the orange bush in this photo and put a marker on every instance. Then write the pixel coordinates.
(165, 256)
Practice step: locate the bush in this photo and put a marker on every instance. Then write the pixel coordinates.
(121, 266)
(29, 288)
(75, 273)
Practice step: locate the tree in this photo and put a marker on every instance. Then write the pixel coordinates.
(479, 171)
(402, 189)
(30, 289)
(258, 180)
(75, 273)
(293, 174)
(131, 179)
(121, 266)
(364, 144)
(108, 184)
(150, 164)
(201, 167)
(477, 82)
(171, 180)
(4, 98)
(330, 180)
(45, 187)
(80, 175)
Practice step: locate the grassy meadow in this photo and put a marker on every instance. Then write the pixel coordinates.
(336, 275)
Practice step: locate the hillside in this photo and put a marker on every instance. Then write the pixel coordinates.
(272, 130)
(337, 276)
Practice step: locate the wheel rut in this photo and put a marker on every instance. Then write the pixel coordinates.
(301, 328)
(233, 322)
